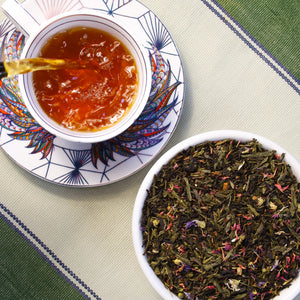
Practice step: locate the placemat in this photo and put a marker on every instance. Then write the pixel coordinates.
(66, 243)
(274, 24)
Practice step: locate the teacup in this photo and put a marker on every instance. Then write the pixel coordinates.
(38, 35)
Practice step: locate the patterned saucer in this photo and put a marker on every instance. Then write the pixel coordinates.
(84, 165)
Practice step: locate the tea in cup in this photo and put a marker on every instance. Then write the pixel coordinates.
(104, 97)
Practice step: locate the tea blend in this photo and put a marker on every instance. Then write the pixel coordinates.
(222, 221)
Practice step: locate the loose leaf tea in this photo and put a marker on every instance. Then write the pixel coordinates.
(222, 221)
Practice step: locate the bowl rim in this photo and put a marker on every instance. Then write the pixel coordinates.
(287, 293)
(130, 116)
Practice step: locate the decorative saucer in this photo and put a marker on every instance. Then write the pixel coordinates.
(85, 165)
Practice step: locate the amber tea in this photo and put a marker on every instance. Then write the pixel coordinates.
(89, 98)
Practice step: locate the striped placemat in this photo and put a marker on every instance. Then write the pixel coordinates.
(29, 269)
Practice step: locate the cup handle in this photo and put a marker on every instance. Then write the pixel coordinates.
(19, 17)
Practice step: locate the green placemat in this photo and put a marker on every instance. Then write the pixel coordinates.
(275, 24)
(24, 274)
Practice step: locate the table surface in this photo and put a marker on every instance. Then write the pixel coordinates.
(227, 86)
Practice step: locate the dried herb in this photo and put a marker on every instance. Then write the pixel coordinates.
(222, 221)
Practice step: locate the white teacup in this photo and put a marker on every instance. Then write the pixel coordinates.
(38, 35)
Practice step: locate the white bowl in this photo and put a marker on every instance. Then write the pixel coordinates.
(288, 293)
(94, 19)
